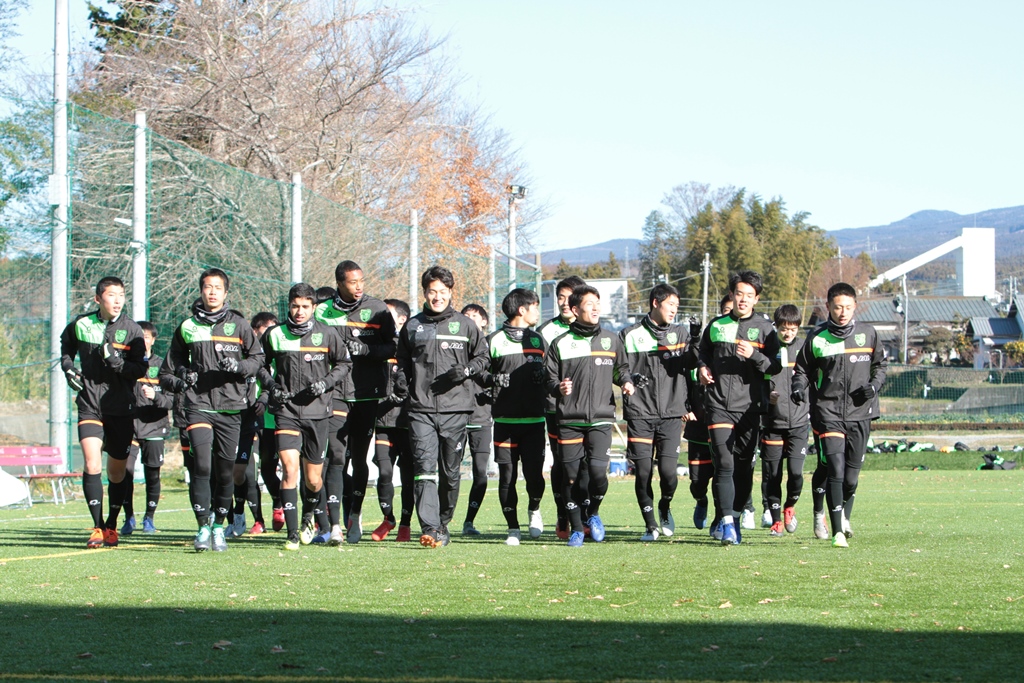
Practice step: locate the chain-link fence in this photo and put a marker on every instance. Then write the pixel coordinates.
(925, 393)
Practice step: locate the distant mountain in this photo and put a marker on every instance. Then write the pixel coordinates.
(924, 230)
(593, 253)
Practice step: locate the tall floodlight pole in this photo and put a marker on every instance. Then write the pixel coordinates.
(491, 295)
(414, 258)
(59, 197)
(296, 270)
(515, 193)
(140, 243)
(707, 276)
(906, 315)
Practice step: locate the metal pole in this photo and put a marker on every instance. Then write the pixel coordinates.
(511, 243)
(906, 316)
(59, 195)
(414, 258)
(140, 243)
(491, 297)
(539, 275)
(296, 272)
(707, 275)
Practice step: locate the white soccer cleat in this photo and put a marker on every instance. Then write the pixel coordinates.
(668, 525)
(839, 541)
(747, 519)
(536, 524)
(238, 526)
(355, 528)
(820, 530)
(650, 536)
(847, 529)
(514, 536)
(766, 520)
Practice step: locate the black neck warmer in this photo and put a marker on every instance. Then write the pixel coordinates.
(437, 317)
(583, 329)
(206, 317)
(514, 333)
(299, 330)
(346, 306)
(840, 332)
(659, 331)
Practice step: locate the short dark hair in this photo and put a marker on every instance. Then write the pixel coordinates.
(841, 289)
(215, 272)
(725, 300)
(516, 299)
(148, 327)
(577, 295)
(478, 309)
(344, 268)
(661, 292)
(302, 290)
(787, 314)
(571, 282)
(262, 318)
(325, 294)
(106, 283)
(437, 274)
(400, 306)
(747, 277)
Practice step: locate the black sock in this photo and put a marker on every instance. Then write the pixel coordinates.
(115, 497)
(128, 490)
(320, 511)
(290, 502)
(334, 483)
(92, 488)
(152, 490)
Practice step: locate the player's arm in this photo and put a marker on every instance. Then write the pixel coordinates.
(134, 363)
(341, 360)
(767, 357)
(175, 370)
(802, 369)
(68, 347)
(879, 365)
(252, 352)
(553, 368)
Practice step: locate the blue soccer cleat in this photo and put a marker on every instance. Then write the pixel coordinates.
(700, 516)
(596, 528)
(147, 525)
(730, 534)
(129, 526)
(576, 539)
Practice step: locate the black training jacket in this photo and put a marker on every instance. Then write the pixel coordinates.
(151, 421)
(836, 367)
(739, 382)
(519, 353)
(550, 331)
(391, 409)
(428, 347)
(660, 355)
(785, 414)
(593, 364)
(106, 391)
(369, 321)
(294, 362)
(200, 347)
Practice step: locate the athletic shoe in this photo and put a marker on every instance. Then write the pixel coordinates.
(277, 521)
(716, 530)
(238, 526)
(777, 529)
(668, 524)
(820, 530)
(336, 538)
(444, 536)
(147, 525)
(576, 539)
(382, 531)
(839, 541)
(95, 539)
(700, 516)
(514, 536)
(220, 541)
(322, 539)
(650, 535)
(404, 534)
(596, 528)
(430, 539)
(469, 530)
(202, 541)
(292, 543)
(730, 534)
(747, 520)
(128, 527)
(257, 529)
(355, 528)
(110, 538)
(789, 519)
(536, 524)
(766, 519)
(307, 530)
(847, 529)
(562, 529)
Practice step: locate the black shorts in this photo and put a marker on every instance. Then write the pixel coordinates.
(647, 437)
(117, 433)
(151, 452)
(308, 437)
(520, 441)
(593, 442)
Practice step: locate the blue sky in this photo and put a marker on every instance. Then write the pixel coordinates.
(857, 112)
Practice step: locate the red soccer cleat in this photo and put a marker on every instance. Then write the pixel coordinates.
(562, 529)
(256, 528)
(381, 532)
(404, 534)
(110, 538)
(95, 539)
(278, 521)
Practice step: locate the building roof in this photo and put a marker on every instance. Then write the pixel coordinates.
(994, 327)
(925, 309)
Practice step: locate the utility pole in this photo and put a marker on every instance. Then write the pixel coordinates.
(296, 269)
(140, 242)
(707, 276)
(906, 316)
(515, 193)
(414, 258)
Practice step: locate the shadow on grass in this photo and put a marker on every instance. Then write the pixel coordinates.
(164, 644)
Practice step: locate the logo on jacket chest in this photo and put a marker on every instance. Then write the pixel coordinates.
(606, 343)
(229, 328)
(365, 315)
(860, 339)
(120, 336)
(316, 338)
(753, 333)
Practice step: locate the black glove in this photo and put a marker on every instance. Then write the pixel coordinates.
(259, 408)
(502, 380)
(317, 388)
(280, 394)
(695, 328)
(189, 377)
(229, 365)
(863, 394)
(356, 347)
(540, 375)
(74, 379)
(112, 357)
(640, 381)
(797, 397)
(459, 374)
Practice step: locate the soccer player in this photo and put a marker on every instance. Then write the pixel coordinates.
(439, 351)
(391, 445)
(305, 360)
(211, 356)
(112, 352)
(655, 350)
(257, 426)
(368, 331)
(844, 365)
(735, 353)
(518, 380)
(785, 427)
(151, 427)
(551, 330)
(479, 433)
(582, 365)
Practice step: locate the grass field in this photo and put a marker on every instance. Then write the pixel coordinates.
(931, 589)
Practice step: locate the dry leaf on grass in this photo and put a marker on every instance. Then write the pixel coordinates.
(222, 644)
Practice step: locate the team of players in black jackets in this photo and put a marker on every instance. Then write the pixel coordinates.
(338, 371)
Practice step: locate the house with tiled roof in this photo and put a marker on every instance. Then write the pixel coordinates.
(924, 313)
(990, 334)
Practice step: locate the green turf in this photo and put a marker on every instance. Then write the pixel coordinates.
(930, 589)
